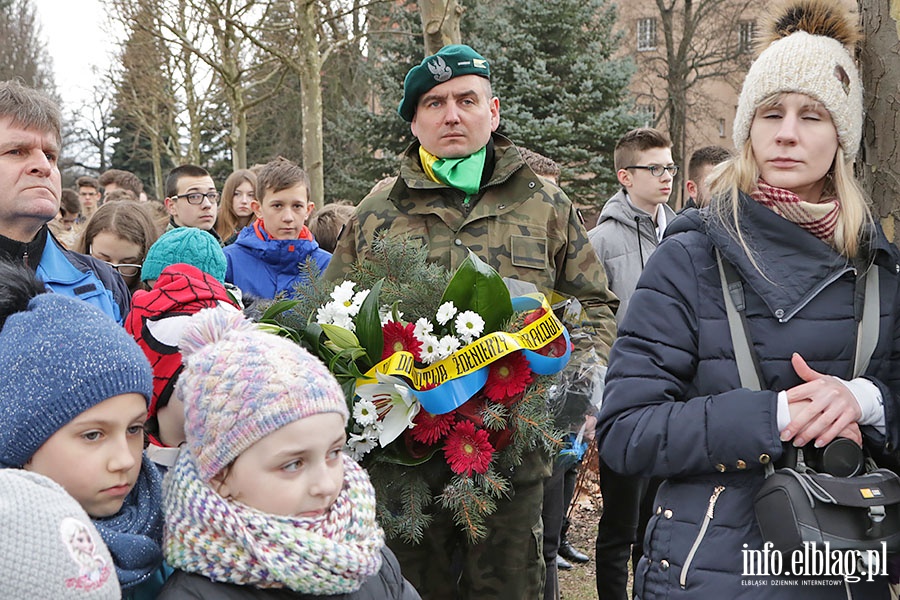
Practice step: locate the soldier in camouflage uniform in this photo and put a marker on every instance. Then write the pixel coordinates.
(463, 187)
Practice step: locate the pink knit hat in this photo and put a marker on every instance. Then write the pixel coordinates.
(239, 384)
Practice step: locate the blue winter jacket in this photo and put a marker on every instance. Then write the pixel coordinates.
(263, 267)
(674, 407)
(80, 276)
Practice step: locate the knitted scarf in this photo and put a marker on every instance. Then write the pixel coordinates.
(231, 542)
(134, 534)
(818, 219)
(463, 173)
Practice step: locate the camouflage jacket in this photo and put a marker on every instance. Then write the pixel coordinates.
(523, 226)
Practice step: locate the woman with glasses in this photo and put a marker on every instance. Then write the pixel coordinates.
(120, 233)
(788, 226)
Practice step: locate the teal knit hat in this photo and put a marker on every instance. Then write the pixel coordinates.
(185, 245)
(450, 61)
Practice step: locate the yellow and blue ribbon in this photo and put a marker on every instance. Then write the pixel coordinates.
(457, 378)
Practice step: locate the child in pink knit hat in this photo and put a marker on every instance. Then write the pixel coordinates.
(262, 502)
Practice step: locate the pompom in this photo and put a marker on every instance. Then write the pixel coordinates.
(827, 18)
(18, 286)
(212, 325)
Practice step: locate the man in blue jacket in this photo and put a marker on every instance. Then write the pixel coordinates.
(30, 188)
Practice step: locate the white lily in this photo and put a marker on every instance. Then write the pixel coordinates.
(397, 405)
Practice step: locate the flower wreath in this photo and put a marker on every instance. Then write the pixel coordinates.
(450, 397)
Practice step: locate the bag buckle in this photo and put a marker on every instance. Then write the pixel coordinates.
(876, 516)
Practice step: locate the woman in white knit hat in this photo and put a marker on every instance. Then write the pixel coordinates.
(792, 222)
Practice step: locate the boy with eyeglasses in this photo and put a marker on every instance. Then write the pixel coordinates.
(192, 199)
(630, 227)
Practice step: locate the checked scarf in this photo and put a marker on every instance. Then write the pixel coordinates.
(818, 219)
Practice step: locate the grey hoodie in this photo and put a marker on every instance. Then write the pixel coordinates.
(624, 238)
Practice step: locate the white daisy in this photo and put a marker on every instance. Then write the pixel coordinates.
(343, 294)
(327, 313)
(431, 349)
(423, 328)
(364, 412)
(358, 299)
(445, 312)
(342, 319)
(469, 325)
(373, 430)
(358, 445)
(448, 345)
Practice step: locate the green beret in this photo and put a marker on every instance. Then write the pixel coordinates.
(450, 61)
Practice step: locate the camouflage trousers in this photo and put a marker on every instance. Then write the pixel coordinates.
(507, 565)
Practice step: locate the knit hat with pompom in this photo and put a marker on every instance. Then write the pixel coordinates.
(809, 45)
(239, 384)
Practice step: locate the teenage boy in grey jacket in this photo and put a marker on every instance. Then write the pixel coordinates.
(630, 227)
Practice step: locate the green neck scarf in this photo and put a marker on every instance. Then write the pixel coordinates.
(463, 173)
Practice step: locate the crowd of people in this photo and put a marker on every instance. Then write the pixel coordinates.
(155, 443)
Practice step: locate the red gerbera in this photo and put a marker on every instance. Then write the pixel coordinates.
(507, 377)
(467, 449)
(399, 337)
(431, 428)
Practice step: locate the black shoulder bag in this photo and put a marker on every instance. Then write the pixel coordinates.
(798, 503)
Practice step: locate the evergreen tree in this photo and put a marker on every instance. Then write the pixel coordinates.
(561, 92)
(363, 133)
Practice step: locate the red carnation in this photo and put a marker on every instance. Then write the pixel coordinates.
(467, 449)
(431, 428)
(399, 337)
(507, 377)
(534, 315)
(557, 346)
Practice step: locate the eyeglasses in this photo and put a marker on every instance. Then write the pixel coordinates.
(657, 170)
(196, 198)
(124, 269)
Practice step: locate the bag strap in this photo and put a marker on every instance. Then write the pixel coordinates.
(867, 334)
(745, 356)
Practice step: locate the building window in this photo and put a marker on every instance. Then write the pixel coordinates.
(721, 128)
(646, 34)
(647, 115)
(746, 29)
